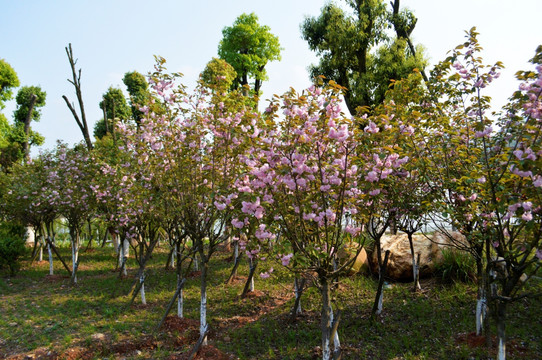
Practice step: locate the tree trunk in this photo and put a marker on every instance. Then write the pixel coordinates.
(249, 285)
(501, 329)
(50, 259)
(481, 303)
(125, 254)
(180, 302)
(237, 260)
(142, 290)
(76, 82)
(326, 320)
(74, 235)
(41, 249)
(203, 302)
(377, 307)
(335, 335)
(415, 264)
(299, 285)
(27, 120)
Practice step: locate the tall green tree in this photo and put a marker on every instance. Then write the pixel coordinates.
(115, 107)
(138, 88)
(356, 52)
(24, 103)
(218, 74)
(8, 81)
(30, 100)
(248, 47)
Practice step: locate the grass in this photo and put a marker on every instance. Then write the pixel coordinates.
(42, 314)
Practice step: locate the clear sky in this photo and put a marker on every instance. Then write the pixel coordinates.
(112, 37)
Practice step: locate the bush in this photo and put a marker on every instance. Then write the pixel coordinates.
(12, 246)
(456, 265)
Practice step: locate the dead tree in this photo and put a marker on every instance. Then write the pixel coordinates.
(76, 82)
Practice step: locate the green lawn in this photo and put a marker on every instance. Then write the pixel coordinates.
(49, 318)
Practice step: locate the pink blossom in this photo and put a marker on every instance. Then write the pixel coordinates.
(267, 274)
(285, 259)
(527, 216)
(237, 223)
(371, 128)
(220, 206)
(325, 188)
(374, 192)
(371, 176)
(354, 231)
(485, 133)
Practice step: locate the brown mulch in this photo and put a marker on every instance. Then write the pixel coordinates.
(56, 277)
(77, 353)
(479, 341)
(38, 354)
(175, 323)
(129, 345)
(207, 352)
(238, 279)
(194, 274)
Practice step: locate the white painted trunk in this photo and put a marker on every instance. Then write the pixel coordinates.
(142, 291)
(380, 301)
(480, 314)
(326, 351)
(203, 315)
(336, 341)
(125, 253)
(297, 298)
(236, 250)
(502, 350)
(74, 261)
(173, 255)
(50, 259)
(41, 254)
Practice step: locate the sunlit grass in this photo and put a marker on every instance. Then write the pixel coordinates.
(39, 311)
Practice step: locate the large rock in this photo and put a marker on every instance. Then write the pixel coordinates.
(347, 252)
(447, 241)
(400, 260)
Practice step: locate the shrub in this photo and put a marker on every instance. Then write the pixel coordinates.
(456, 265)
(12, 246)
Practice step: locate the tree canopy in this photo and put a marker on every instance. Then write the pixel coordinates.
(356, 52)
(8, 81)
(138, 88)
(248, 47)
(115, 107)
(24, 100)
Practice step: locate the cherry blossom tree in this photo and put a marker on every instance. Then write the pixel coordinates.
(309, 182)
(71, 177)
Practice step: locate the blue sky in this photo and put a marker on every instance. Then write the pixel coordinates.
(111, 37)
